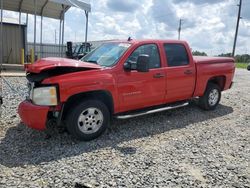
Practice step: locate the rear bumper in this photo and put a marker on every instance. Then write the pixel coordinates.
(33, 116)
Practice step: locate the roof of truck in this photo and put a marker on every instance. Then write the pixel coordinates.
(149, 40)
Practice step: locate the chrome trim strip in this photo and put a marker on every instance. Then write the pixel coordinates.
(151, 111)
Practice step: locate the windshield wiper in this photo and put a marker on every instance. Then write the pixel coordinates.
(91, 61)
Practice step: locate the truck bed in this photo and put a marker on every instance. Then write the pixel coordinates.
(213, 66)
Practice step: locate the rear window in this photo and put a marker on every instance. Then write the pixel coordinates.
(176, 55)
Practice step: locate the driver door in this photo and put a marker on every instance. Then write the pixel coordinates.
(142, 89)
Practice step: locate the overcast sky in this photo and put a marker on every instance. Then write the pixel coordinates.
(207, 25)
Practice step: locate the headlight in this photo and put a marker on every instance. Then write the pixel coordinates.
(45, 96)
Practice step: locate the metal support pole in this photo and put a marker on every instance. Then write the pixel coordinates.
(41, 37)
(20, 35)
(61, 53)
(1, 51)
(26, 40)
(86, 29)
(20, 14)
(41, 31)
(35, 4)
(60, 29)
(20, 32)
(27, 19)
(55, 36)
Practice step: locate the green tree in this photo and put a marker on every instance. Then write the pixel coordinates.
(197, 53)
(244, 58)
(225, 55)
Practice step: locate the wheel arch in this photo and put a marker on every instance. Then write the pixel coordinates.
(218, 80)
(101, 95)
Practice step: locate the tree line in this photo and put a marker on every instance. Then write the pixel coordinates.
(244, 58)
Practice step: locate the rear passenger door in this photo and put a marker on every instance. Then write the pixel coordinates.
(180, 72)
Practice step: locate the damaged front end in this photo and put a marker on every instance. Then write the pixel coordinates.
(42, 105)
(39, 77)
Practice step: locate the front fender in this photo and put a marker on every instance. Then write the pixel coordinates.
(75, 83)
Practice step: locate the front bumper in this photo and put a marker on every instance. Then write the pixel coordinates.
(33, 116)
(231, 85)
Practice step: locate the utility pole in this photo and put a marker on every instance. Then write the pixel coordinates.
(179, 29)
(237, 28)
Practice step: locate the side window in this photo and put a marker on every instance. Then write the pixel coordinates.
(149, 49)
(176, 55)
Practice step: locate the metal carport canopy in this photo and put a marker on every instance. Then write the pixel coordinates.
(46, 8)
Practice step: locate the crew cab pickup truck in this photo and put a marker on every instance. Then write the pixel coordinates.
(121, 79)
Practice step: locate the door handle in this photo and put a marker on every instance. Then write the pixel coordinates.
(188, 72)
(159, 75)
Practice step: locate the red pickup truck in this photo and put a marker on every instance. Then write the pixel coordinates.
(121, 79)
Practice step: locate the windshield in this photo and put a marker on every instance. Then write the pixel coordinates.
(107, 54)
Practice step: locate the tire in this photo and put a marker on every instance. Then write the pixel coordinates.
(248, 67)
(211, 97)
(88, 120)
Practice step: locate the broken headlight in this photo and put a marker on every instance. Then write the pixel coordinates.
(45, 96)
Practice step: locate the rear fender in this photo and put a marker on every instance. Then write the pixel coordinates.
(220, 80)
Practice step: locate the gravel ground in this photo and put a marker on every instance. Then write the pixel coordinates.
(185, 147)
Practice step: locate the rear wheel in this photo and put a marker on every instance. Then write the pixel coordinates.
(211, 97)
(88, 120)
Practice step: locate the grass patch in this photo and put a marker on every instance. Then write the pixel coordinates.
(241, 65)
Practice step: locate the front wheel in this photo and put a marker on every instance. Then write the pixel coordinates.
(211, 97)
(88, 120)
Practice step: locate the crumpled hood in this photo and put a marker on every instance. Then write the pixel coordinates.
(53, 62)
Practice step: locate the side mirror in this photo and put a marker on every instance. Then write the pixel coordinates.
(248, 67)
(127, 66)
(143, 63)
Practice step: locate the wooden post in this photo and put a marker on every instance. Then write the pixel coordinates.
(22, 56)
(32, 58)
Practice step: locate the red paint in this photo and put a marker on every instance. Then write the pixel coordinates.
(131, 90)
